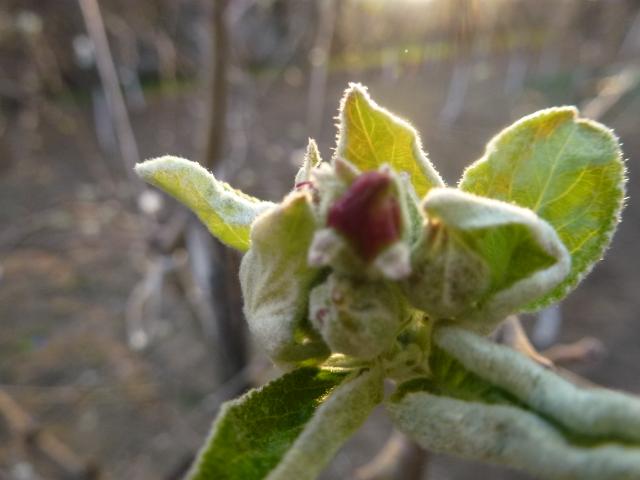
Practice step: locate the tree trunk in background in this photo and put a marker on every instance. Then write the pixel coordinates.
(224, 289)
(218, 87)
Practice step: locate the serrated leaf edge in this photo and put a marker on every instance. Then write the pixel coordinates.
(424, 164)
(606, 238)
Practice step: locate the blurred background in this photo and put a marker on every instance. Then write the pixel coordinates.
(120, 324)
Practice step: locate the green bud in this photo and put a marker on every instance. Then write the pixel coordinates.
(356, 318)
(448, 278)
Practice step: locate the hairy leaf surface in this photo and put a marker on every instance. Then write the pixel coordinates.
(487, 402)
(226, 212)
(566, 169)
(508, 435)
(481, 259)
(334, 422)
(276, 280)
(370, 136)
(594, 412)
(252, 434)
(289, 428)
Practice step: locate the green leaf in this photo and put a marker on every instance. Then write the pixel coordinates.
(510, 436)
(566, 169)
(488, 402)
(289, 428)
(481, 259)
(370, 136)
(594, 412)
(276, 280)
(335, 421)
(226, 212)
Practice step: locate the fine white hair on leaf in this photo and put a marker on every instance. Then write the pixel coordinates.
(228, 213)
(594, 412)
(509, 436)
(338, 417)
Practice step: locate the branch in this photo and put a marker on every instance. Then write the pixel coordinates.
(111, 85)
(400, 459)
(215, 134)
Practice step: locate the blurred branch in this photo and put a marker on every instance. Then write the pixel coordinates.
(214, 146)
(218, 266)
(399, 459)
(111, 85)
(586, 348)
(319, 57)
(612, 91)
(512, 334)
(43, 442)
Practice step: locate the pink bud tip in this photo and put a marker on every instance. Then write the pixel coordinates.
(368, 214)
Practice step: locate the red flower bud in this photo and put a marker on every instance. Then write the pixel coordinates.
(368, 214)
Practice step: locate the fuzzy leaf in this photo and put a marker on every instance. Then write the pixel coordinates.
(566, 169)
(226, 212)
(510, 436)
(594, 412)
(370, 136)
(276, 280)
(487, 402)
(289, 428)
(481, 259)
(335, 421)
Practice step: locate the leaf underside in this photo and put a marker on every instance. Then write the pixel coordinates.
(275, 278)
(225, 211)
(475, 408)
(517, 256)
(369, 136)
(567, 170)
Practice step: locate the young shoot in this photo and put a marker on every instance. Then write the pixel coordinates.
(372, 268)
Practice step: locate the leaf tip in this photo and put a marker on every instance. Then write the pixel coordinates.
(148, 169)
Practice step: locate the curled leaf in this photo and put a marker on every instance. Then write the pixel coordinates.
(510, 436)
(594, 412)
(487, 402)
(276, 280)
(226, 212)
(481, 259)
(566, 169)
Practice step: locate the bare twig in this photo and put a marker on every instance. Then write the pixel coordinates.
(513, 335)
(219, 283)
(612, 91)
(587, 348)
(214, 139)
(111, 85)
(399, 459)
(43, 442)
(320, 65)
